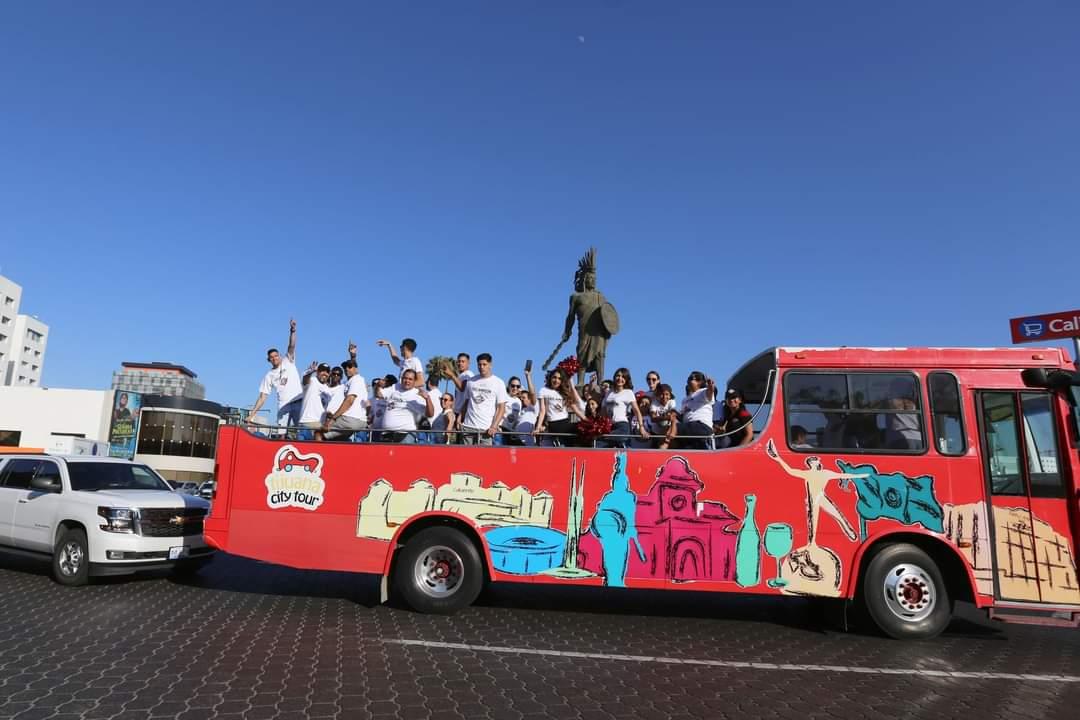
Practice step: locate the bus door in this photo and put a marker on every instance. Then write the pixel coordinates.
(1033, 551)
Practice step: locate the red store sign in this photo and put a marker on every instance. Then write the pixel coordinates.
(1037, 328)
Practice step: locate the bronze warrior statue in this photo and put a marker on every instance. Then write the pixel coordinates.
(596, 319)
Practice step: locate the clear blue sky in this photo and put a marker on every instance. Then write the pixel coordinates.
(176, 180)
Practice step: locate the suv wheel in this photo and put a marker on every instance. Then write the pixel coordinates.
(71, 558)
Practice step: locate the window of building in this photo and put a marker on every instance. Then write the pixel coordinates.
(177, 434)
(10, 438)
(854, 412)
(5, 320)
(9, 301)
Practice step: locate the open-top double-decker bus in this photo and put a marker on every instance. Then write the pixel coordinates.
(902, 480)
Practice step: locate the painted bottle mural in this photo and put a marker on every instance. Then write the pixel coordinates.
(748, 548)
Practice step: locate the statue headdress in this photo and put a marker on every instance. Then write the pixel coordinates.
(587, 264)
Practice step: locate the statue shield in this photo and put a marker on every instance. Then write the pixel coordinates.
(609, 318)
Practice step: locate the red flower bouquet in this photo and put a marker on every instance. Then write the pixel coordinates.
(590, 428)
(569, 365)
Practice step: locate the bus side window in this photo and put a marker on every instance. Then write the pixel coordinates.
(1040, 442)
(947, 416)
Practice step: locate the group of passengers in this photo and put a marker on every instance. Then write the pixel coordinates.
(334, 403)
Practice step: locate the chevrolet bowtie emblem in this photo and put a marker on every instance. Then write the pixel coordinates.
(177, 520)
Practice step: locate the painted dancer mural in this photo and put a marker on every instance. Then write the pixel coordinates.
(813, 569)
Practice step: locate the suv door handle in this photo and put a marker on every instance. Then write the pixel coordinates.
(23, 500)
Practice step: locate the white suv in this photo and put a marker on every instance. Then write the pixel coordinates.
(97, 516)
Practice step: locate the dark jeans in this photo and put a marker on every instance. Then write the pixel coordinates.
(613, 440)
(703, 430)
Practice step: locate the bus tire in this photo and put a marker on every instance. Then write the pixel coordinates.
(439, 571)
(905, 594)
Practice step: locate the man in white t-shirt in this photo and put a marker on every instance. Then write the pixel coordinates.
(351, 416)
(405, 404)
(316, 395)
(463, 373)
(485, 403)
(407, 360)
(436, 402)
(284, 379)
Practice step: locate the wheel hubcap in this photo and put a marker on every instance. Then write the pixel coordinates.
(910, 593)
(71, 559)
(439, 571)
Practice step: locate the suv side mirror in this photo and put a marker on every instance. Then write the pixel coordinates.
(45, 484)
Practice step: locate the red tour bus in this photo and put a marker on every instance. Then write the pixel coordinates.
(900, 479)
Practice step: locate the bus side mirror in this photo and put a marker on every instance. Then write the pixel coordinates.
(1050, 379)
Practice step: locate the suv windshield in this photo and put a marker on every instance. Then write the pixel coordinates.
(113, 476)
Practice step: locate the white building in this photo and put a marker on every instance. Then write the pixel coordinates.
(174, 435)
(23, 339)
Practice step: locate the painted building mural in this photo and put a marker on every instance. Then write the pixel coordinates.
(673, 531)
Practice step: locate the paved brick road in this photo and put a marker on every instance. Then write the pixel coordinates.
(261, 642)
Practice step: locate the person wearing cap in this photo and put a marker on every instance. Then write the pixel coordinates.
(316, 395)
(737, 426)
(351, 414)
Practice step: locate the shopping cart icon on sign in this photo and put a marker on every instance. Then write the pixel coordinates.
(1033, 328)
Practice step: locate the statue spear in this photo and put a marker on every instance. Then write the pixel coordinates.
(553, 354)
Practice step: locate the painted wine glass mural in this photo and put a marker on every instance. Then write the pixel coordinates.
(778, 541)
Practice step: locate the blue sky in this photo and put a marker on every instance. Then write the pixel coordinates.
(177, 180)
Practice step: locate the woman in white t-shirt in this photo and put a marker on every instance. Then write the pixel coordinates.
(442, 423)
(558, 400)
(663, 417)
(696, 428)
(620, 405)
(526, 420)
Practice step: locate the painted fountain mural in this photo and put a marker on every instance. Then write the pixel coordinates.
(669, 533)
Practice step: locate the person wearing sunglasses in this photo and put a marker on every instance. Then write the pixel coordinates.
(443, 422)
(513, 410)
(653, 381)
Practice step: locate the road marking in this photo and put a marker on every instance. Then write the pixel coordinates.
(736, 664)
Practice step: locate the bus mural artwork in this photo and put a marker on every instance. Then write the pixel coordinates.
(908, 500)
(975, 500)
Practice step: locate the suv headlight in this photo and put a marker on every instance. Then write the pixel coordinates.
(117, 520)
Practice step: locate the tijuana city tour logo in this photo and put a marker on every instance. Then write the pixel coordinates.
(294, 480)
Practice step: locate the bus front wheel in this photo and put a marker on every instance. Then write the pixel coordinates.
(439, 571)
(904, 593)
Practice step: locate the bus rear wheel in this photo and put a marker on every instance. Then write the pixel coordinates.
(439, 571)
(905, 594)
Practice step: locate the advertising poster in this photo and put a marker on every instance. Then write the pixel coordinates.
(125, 424)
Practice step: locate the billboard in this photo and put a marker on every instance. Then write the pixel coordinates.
(124, 428)
(1039, 328)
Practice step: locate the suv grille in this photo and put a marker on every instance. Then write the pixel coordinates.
(171, 522)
